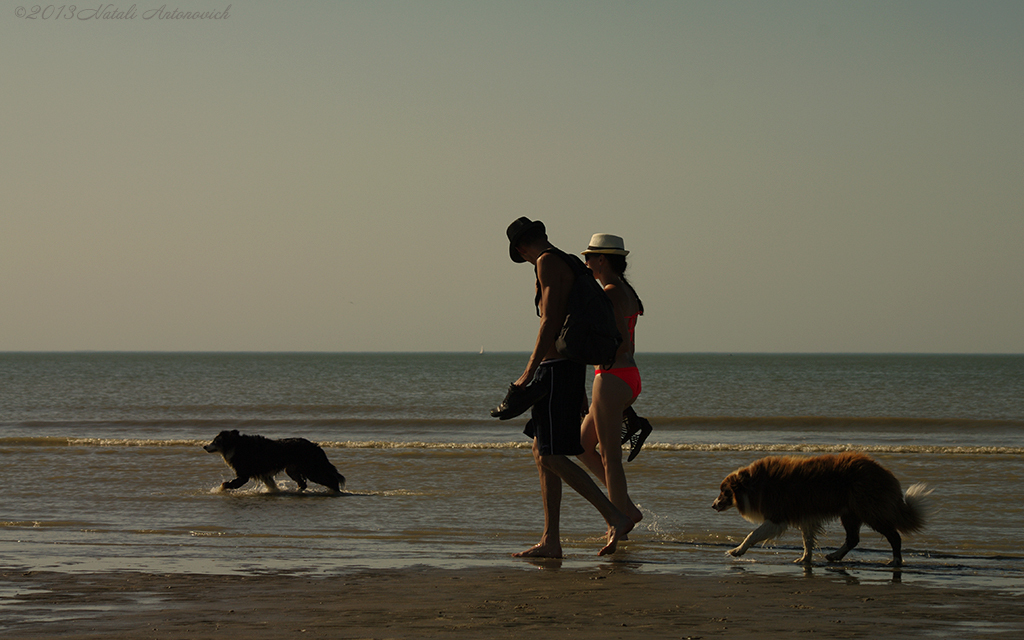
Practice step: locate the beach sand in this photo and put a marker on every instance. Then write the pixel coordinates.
(521, 601)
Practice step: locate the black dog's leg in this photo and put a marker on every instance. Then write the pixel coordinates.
(234, 484)
(295, 475)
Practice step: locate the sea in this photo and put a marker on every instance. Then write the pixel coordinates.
(102, 466)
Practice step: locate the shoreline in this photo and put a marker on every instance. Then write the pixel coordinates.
(541, 600)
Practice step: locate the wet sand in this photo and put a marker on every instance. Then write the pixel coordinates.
(537, 602)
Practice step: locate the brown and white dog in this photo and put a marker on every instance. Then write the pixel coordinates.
(806, 492)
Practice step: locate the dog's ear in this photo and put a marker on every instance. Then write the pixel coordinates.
(742, 476)
(234, 432)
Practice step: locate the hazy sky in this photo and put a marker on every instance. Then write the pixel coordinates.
(338, 176)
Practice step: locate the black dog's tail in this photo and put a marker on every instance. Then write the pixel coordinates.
(327, 475)
(333, 478)
(914, 513)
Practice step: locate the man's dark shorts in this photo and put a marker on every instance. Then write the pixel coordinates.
(556, 419)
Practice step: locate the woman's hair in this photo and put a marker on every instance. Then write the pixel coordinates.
(618, 265)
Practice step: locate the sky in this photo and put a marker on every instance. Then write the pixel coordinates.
(788, 176)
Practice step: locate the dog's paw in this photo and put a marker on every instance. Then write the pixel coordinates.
(833, 557)
(804, 559)
(737, 552)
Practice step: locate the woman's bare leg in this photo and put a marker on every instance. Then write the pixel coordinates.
(611, 396)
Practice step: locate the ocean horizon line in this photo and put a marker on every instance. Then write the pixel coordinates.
(495, 352)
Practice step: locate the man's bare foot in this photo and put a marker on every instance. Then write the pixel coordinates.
(615, 534)
(541, 550)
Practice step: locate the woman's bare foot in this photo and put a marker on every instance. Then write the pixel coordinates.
(541, 550)
(634, 514)
(615, 534)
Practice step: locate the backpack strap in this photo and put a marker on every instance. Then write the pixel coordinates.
(573, 262)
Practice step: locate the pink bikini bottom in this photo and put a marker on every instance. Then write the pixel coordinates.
(629, 375)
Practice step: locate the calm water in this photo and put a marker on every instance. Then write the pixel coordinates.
(103, 469)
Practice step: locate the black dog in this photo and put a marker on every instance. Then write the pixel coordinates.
(263, 458)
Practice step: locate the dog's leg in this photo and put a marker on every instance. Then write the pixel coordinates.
(297, 477)
(766, 531)
(234, 484)
(271, 484)
(808, 531)
(893, 536)
(852, 525)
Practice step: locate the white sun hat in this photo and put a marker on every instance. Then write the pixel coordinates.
(606, 243)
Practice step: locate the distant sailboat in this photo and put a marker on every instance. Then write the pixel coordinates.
(481, 351)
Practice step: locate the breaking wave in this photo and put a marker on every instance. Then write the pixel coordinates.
(56, 442)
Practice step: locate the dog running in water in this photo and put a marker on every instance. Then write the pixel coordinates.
(779, 492)
(263, 458)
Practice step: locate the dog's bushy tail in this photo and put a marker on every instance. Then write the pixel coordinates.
(330, 478)
(914, 513)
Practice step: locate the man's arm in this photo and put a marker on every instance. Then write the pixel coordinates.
(555, 278)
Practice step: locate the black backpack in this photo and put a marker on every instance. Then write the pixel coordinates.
(589, 335)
